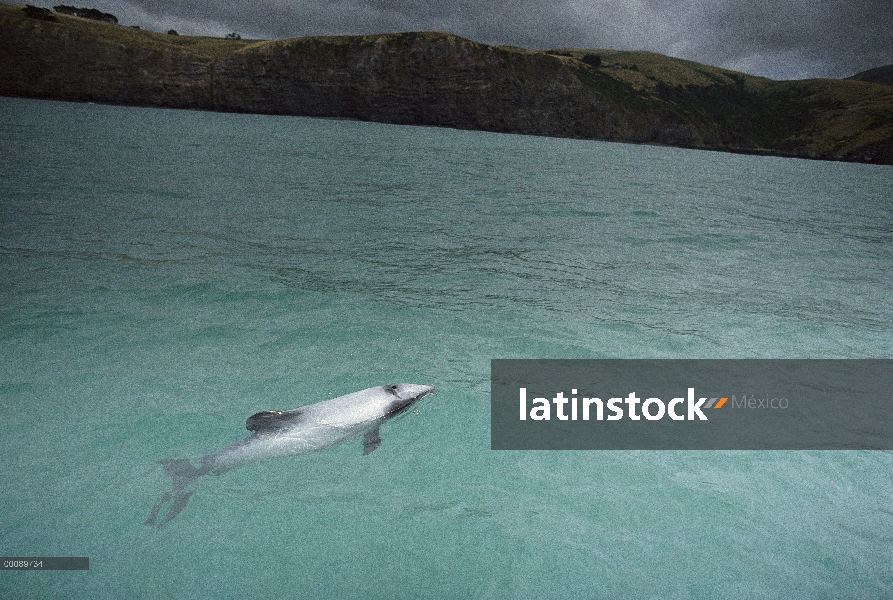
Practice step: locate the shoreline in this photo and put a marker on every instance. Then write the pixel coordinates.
(441, 80)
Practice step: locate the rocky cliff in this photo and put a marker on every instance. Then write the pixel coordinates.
(439, 79)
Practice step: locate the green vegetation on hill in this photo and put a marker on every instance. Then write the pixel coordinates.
(815, 118)
(436, 78)
(86, 13)
(881, 75)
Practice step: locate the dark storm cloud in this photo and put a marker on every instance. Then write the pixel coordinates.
(779, 39)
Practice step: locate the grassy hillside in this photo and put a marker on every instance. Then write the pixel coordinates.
(436, 78)
(881, 75)
(816, 118)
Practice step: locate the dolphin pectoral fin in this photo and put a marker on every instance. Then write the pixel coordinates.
(371, 441)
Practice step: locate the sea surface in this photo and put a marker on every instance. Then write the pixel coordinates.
(165, 274)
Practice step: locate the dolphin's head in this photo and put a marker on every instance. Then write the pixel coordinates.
(405, 394)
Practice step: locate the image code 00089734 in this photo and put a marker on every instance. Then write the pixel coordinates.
(46, 563)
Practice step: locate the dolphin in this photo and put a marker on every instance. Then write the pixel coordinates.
(306, 429)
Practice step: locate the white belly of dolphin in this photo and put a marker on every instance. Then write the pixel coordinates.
(306, 429)
(289, 442)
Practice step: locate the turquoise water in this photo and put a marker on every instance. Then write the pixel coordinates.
(166, 274)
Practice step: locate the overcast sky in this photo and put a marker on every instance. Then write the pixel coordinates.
(783, 39)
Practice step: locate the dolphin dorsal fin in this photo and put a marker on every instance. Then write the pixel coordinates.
(270, 420)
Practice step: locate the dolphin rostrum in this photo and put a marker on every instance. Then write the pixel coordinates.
(306, 429)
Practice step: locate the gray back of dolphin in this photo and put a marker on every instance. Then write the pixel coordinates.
(286, 433)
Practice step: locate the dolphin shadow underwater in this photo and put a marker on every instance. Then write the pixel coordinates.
(307, 429)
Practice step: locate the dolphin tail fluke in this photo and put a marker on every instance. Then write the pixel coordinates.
(179, 503)
(182, 474)
(153, 516)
